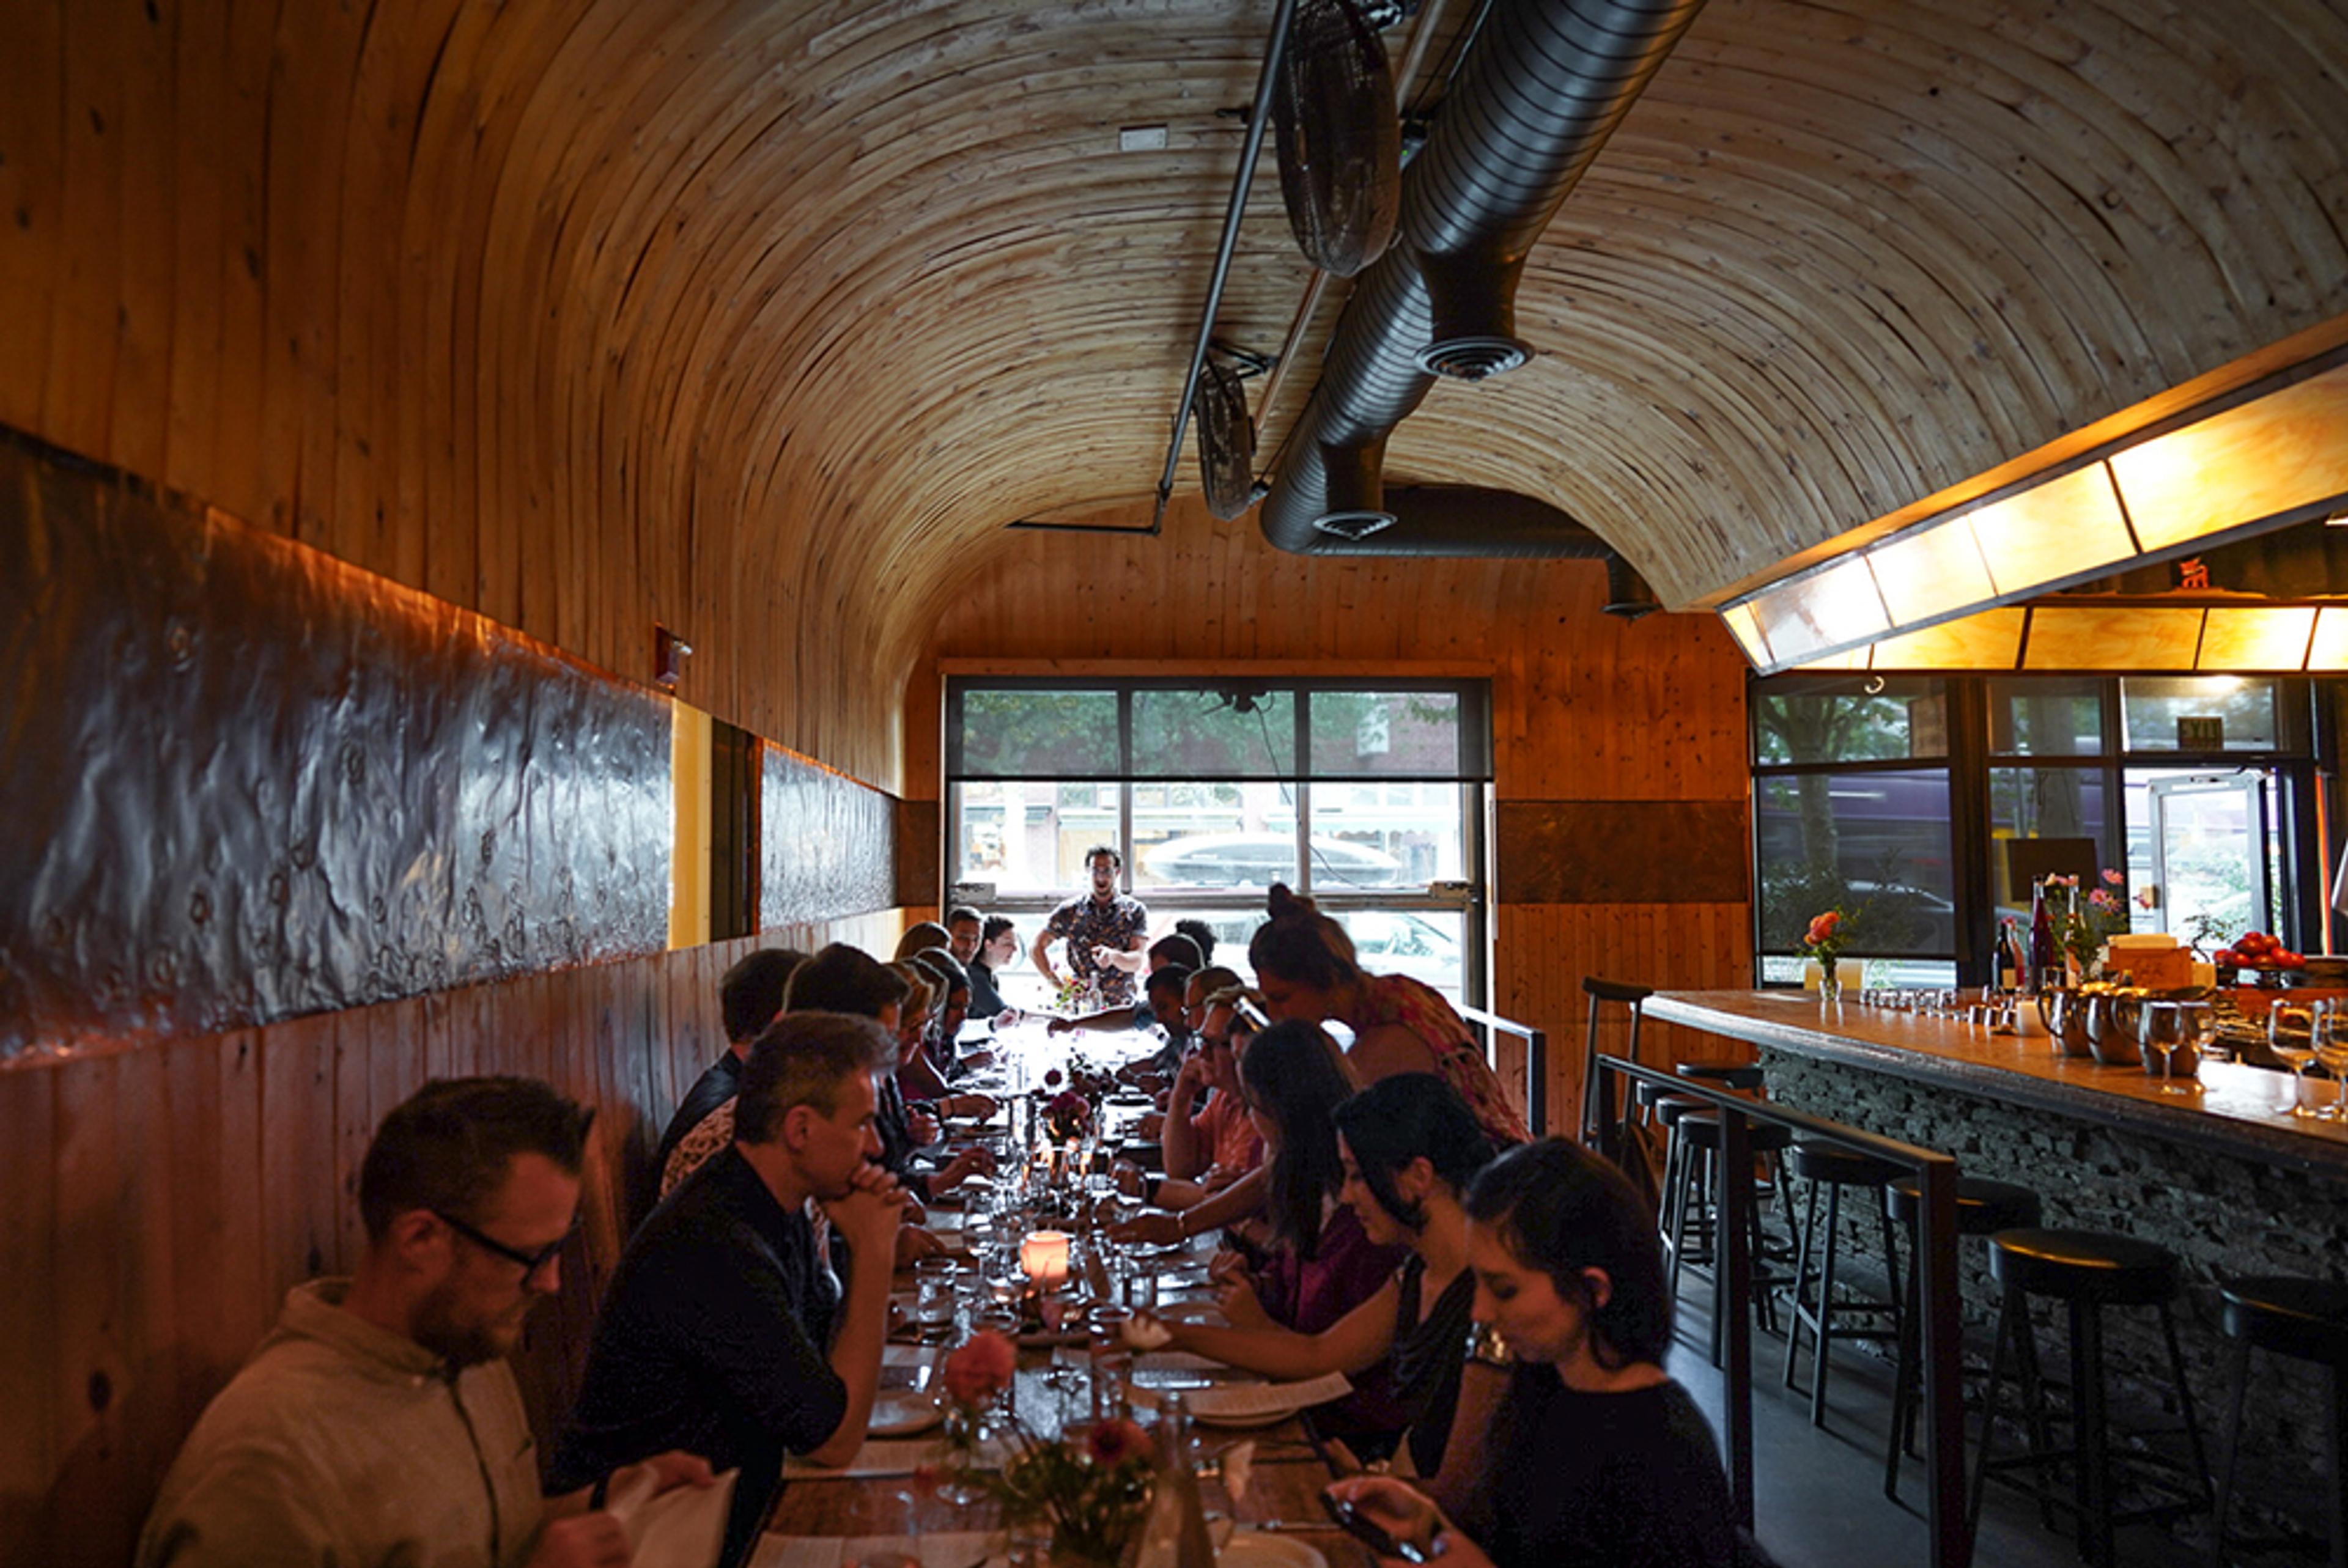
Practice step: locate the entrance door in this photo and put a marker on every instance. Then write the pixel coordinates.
(2209, 851)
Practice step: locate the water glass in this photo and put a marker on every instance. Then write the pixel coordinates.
(1111, 1358)
(934, 1296)
(2161, 1027)
(2332, 1052)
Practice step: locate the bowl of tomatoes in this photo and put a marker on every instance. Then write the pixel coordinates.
(2262, 956)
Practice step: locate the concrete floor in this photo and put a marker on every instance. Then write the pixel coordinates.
(1819, 1490)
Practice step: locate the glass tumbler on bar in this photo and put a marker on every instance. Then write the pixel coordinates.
(935, 1297)
(2330, 1035)
(2291, 1035)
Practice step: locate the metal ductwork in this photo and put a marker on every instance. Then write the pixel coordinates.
(1467, 520)
(1544, 84)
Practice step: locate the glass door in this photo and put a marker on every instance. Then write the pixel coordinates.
(2209, 842)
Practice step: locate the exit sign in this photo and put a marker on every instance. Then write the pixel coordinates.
(2201, 734)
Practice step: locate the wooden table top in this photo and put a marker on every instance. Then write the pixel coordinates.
(2239, 1111)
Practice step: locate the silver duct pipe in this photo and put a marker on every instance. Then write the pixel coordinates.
(1544, 85)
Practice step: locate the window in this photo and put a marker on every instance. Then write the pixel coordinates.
(1367, 797)
(1906, 801)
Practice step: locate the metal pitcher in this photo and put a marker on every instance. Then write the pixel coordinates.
(2063, 1011)
(2111, 1025)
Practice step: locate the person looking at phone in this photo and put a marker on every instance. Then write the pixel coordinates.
(1212, 1156)
(1408, 1149)
(1304, 962)
(1595, 1454)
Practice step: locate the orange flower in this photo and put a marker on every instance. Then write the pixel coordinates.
(981, 1369)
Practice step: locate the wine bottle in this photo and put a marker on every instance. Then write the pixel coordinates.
(2008, 962)
(2044, 967)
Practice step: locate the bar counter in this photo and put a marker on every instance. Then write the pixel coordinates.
(2242, 1111)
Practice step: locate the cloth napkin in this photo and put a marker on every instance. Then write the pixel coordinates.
(684, 1527)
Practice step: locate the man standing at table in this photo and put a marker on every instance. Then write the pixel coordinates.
(1102, 917)
(379, 1422)
(715, 1334)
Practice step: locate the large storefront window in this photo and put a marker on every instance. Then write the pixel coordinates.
(1927, 805)
(1368, 798)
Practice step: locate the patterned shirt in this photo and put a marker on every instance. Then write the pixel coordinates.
(1085, 922)
(1420, 1008)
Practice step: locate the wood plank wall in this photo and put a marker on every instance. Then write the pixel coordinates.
(1585, 709)
(158, 1202)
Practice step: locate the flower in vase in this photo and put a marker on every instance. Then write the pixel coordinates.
(981, 1369)
(1114, 1441)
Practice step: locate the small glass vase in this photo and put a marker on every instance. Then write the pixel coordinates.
(1830, 982)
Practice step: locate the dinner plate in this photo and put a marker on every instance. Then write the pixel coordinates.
(1248, 1422)
(900, 1413)
(1258, 1549)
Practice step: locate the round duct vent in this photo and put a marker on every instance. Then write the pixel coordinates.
(1339, 136)
(1353, 525)
(1473, 358)
(1226, 442)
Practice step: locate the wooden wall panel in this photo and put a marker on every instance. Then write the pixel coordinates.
(157, 1202)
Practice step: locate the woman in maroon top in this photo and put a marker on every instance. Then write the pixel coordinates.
(1320, 1263)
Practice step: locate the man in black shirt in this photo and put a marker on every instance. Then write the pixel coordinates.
(713, 1336)
(750, 996)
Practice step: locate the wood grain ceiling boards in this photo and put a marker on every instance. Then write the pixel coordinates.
(759, 319)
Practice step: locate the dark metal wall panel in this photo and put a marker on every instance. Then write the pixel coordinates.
(241, 781)
(829, 844)
(1622, 852)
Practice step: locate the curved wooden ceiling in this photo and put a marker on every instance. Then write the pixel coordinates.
(760, 318)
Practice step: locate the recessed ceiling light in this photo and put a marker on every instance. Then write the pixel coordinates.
(1141, 138)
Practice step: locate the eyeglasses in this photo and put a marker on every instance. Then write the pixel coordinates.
(530, 1262)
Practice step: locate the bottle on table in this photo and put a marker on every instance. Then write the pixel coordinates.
(1175, 1534)
(2046, 969)
(2007, 962)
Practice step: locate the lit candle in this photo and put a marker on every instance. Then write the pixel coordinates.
(1044, 1256)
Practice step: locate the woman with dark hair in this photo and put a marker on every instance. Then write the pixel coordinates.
(1594, 1455)
(998, 948)
(937, 1058)
(1407, 1148)
(1304, 964)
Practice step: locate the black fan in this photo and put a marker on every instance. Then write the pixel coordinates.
(1340, 137)
(1226, 442)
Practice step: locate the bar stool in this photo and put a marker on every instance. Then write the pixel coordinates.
(2087, 1270)
(1827, 1165)
(1696, 1135)
(2307, 1320)
(1984, 1207)
(1600, 991)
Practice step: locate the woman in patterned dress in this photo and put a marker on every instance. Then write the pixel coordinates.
(1304, 963)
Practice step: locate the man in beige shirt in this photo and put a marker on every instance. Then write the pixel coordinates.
(379, 1425)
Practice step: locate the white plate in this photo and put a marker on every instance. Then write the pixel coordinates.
(901, 1414)
(1258, 1549)
(1252, 1419)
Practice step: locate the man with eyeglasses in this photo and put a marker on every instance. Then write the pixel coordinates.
(717, 1334)
(379, 1423)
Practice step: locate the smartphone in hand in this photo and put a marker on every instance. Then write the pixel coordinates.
(1369, 1533)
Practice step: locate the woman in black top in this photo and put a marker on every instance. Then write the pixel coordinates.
(1595, 1455)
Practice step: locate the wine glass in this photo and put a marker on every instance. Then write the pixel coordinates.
(2330, 1036)
(2160, 1027)
(2291, 1035)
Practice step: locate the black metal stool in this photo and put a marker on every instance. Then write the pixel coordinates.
(1984, 1207)
(1695, 1135)
(1599, 991)
(1834, 1168)
(2307, 1320)
(2088, 1271)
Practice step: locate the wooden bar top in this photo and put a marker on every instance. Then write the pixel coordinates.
(2240, 1111)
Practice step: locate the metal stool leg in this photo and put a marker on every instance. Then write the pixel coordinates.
(2089, 1434)
(1822, 1337)
(1801, 1282)
(2184, 1404)
(2012, 1306)
(2237, 1385)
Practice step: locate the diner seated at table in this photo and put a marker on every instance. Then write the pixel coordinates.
(1176, 948)
(1196, 990)
(1304, 962)
(749, 998)
(998, 950)
(1318, 1262)
(1409, 1147)
(1162, 992)
(939, 1060)
(908, 1127)
(719, 1333)
(1594, 1454)
(1211, 1154)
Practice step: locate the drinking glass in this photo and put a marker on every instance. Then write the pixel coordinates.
(2200, 1032)
(934, 1296)
(2161, 1027)
(2291, 1035)
(1111, 1358)
(2332, 1049)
